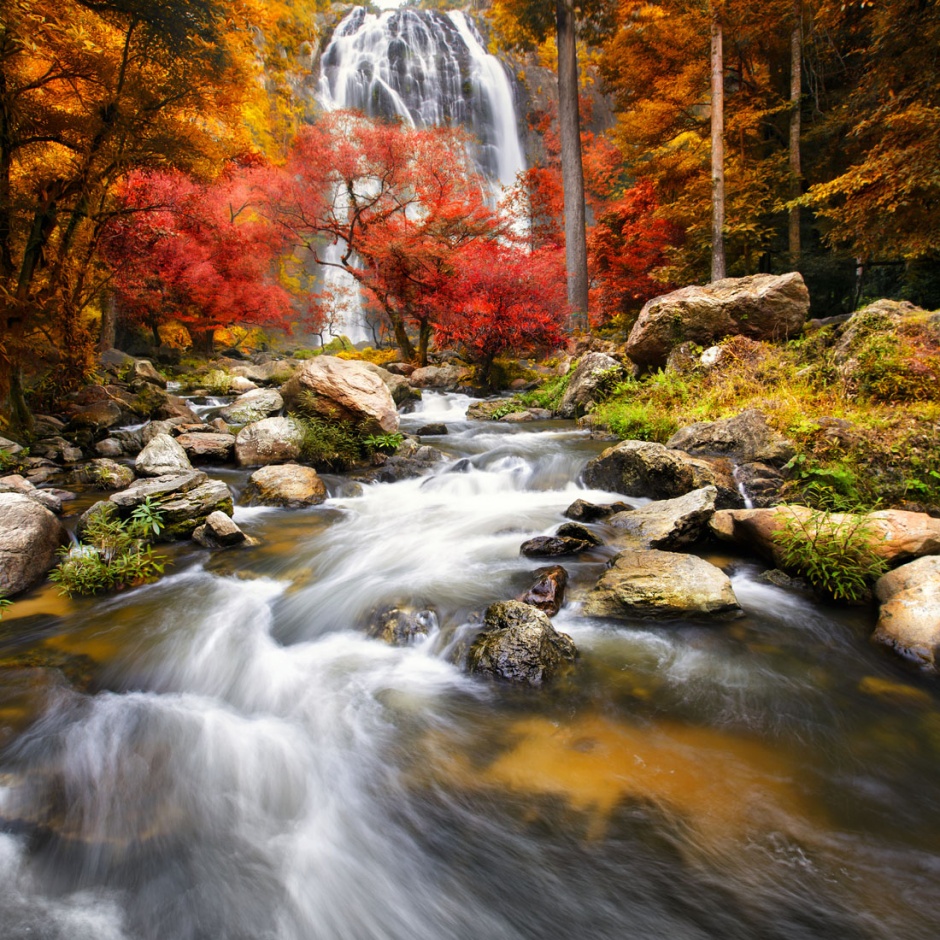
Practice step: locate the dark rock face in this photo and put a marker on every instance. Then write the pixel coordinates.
(745, 438)
(642, 468)
(30, 536)
(519, 644)
(583, 511)
(593, 371)
(551, 546)
(574, 530)
(400, 627)
(548, 591)
(763, 306)
(431, 430)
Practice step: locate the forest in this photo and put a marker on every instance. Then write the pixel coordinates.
(162, 166)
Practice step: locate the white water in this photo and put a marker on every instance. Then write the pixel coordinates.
(256, 767)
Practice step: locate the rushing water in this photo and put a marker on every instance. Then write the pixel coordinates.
(235, 758)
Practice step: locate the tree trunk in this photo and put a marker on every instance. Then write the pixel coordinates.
(424, 340)
(572, 174)
(108, 332)
(21, 418)
(718, 150)
(796, 94)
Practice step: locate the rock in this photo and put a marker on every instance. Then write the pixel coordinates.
(399, 386)
(583, 511)
(550, 546)
(412, 459)
(529, 414)
(14, 483)
(431, 430)
(272, 440)
(668, 524)
(57, 449)
(10, 447)
(208, 445)
(345, 391)
(642, 468)
(759, 483)
(238, 385)
(115, 361)
(745, 438)
(548, 591)
(893, 534)
(400, 368)
(30, 537)
(184, 512)
(156, 488)
(573, 530)
(594, 372)
(264, 373)
(660, 584)
(286, 485)
(174, 407)
(444, 378)
(109, 447)
(909, 618)
(762, 306)
(519, 644)
(218, 531)
(401, 627)
(145, 372)
(493, 409)
(162, 456)
(253, 406)
(97, 416)
(104, 474)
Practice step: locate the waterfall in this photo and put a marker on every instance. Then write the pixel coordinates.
(426, 69)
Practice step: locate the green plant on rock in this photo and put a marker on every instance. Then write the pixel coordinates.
(217, 382)
(114, 553)
(832, 488)
(329, 445)
(548, 395)
(833, 552)
(384, 443)
(5, 602)
(13, 463)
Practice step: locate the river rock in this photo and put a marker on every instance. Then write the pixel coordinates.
(493, 409)
(431, 430)
(270, 441)
(143, 371)
(574, 530)
(109, 447)
(443, 378)
(399, 626)
(668, 524)
(762, 306)
(286, 485)
(660, 584)
(643, 468)
(162, 456)
(759, 483)
(239, 385)
(399, 386)
(583, 511)
(893, 534)
(745, 438)
(591, 375)
(98, 416)
(14, 483)
(909, 618)
(218, 531)
(519, 644)
(103, 473)
(548, 591)
(412, 459)
(30, 537)
(253, 406)
(208, 445)
(551, 546)
(343, 390)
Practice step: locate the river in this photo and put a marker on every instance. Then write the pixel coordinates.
(231, 756)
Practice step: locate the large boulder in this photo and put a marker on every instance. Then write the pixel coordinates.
(668, 524)
(343, 390)
(208, 445)
(185, 500)
(272, 440)
(644, 468)
(745, 438)
(594, 372)
(143, 371)
(30, 536)
(97, 416)
(162, 456)
(660, 584)
(401, 389)
(443, 378)
(286, 485)
(762, 306)
(253, 406)
(909, 619)
(519, 644)
(893, 534)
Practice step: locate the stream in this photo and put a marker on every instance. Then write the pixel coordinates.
(227, 755)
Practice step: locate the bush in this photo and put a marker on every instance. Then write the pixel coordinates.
(113, 554)
(833, 553)
(329, 445)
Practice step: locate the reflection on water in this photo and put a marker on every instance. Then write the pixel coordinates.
(225, 754)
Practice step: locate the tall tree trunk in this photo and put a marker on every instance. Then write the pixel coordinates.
(572, 174)
(796, 94)
(108, 332)
(718, 149)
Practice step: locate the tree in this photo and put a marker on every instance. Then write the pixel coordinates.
(200, 253)
(398, 204)
(502, 299)
(718, 143)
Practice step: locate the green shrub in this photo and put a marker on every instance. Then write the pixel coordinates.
(113, 554)
(13, 463)
(639, 421)
(384, 443)
(832, 552)
(548, 395)
(832, 488)
(329, 445)
(217, 382)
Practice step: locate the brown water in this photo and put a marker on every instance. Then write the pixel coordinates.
(225, 754)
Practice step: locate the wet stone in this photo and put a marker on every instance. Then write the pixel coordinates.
(548, 591)
(551, 546)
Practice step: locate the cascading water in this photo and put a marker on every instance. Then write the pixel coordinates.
(427, 69)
